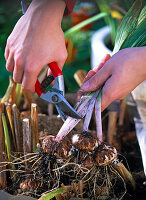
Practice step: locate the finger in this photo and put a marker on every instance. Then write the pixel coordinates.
(79, 94)
(10, 63)
(89, 75)
(18, 70)
(101, 64)
(6, 52)
(97, 68)
(96, 81)
(30, 77)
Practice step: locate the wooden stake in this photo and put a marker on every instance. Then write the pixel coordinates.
(26, 136)
(18, 94)
(79, 76)
(50, 109)
(10, 117)
(1, 127)
(3, 181)
(29, 98)
(17, 127)
(34, 123)
(9, 91)
(112, 124)
(122, 112)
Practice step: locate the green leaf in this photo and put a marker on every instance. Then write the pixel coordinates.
(84, 23)
(142, 15)
(134, 40)
(6, 133)
(128, 25)
(53, 194)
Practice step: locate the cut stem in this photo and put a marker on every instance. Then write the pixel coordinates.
(29, 97)
(1, 127)
(10, 117)
(98, 116)
(112, 124)
(9, 91)
(34, 125)
(26, 136)
(122, 112)
(17, 127)
(89, 112)
(7, 138)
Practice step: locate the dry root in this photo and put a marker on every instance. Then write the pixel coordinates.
(91, 170)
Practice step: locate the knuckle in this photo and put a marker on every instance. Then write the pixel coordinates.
(29, 68)
(18, 60)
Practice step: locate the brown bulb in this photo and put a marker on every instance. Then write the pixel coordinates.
(59, 149)
(84, 141)
(104, 154)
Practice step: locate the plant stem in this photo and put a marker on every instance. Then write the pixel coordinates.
(89, 112)
(34, 125)
(10, 117)
(18, 94)
(9, 91)
(1, 127)
(3, 181)
(122, 112)
(26, 137)
(29, 98)
(17, 128)
(7, 138)
(84, 23)
(112, 122)
(98, 116)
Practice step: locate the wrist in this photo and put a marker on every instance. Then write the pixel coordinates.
(141, 55)
(52, 10)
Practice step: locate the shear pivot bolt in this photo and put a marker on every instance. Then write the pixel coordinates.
(55, 98)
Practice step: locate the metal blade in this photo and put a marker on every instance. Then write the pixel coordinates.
(67, 109)
(61, 103)
(70, 122)
(62, 115)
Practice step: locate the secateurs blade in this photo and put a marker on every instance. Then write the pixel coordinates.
(55, 95)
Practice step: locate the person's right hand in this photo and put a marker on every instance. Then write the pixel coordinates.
(37, 40)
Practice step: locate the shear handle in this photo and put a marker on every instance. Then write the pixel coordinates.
(55, 71)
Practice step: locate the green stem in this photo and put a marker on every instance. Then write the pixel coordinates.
(6, 133)
(84, 23)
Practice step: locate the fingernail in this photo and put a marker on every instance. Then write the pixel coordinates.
(85, 85)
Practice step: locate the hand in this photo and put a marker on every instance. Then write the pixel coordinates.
(119, 75)
(37, 39)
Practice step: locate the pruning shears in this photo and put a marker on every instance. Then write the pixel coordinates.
(55, 95)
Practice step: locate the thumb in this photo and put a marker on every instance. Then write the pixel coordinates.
(96, 81)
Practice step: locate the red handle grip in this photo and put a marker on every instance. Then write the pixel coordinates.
(56, 71)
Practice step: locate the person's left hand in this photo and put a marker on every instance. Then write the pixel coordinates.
(123, 72)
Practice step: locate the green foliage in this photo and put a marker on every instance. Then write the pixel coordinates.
(105, 7)
(138, 37)
(132, 32)
(84, 23)
(54, 193)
